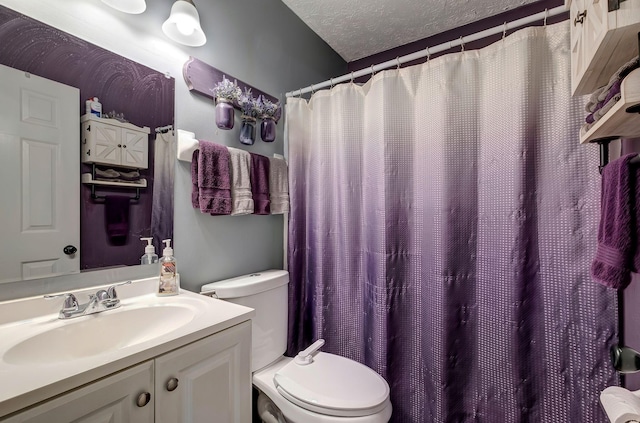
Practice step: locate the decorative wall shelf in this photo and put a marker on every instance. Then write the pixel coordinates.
(623, 120)
(201, 78)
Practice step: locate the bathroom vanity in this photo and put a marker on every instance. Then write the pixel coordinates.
(184, 358)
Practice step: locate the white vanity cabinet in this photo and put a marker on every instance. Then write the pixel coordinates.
(601, 41)
(119, 398)
(206, 381)
(114, 143)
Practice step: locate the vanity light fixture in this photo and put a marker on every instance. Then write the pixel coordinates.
(133, 7)
(183, 25)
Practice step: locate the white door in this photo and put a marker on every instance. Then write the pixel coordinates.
(40, 173)
(125, 397)
(207, 381)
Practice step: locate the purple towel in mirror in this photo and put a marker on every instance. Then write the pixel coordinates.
(117, 218)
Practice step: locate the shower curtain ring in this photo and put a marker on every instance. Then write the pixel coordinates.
(504, 31)
(331, 83)
(546, 15)
(461, 45)
(428, 54)
(372, 71)
(313, 91)
(352, 77)
(398, 62)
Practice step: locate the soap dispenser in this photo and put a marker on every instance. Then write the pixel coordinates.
(168, 275)
(150, 255)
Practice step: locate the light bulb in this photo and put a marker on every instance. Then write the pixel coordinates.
(185, 28)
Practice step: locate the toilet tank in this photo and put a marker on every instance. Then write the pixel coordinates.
(267, 293)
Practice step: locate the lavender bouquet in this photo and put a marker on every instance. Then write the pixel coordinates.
(248, 104)
(226, 90)
(269, 109)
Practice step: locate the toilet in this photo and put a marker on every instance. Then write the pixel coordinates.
(313, 387)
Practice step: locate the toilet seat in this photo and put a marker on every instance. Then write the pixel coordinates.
(333, 385)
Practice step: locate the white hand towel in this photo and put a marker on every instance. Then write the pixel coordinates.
(240, 182)
(278, 185)
(621, 405)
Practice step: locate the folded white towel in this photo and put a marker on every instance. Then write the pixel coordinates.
(278, 185)
(240, 182)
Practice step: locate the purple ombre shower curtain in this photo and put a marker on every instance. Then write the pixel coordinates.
(442, 226)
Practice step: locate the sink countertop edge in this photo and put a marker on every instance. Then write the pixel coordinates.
(89, 372)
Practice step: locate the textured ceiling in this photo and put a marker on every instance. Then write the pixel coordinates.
(360, 28)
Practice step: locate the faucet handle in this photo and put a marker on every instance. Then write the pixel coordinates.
(102, 295)
(70, 301)
(111, 291)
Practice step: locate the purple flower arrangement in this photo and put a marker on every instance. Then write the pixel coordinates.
(226, 90)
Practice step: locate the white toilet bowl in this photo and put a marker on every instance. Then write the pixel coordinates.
(332, 389)
(325, 388)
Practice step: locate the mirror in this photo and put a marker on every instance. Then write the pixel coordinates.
(146, 99)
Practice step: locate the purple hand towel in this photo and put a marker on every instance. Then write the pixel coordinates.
(117, 218)
(211, 179)
(617, 253)
(260, 184)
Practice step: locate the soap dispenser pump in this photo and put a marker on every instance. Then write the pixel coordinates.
(150, 255)
(168, 273)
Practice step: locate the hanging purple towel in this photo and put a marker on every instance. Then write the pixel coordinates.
(117, 218)
(617, 254)
(260, 184)
(211, 179)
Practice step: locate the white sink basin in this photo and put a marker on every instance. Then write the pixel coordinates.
(43, 356)
(99, 333)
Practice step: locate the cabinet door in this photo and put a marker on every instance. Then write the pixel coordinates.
(207, 381)
(601, 41)
(135, 146)
(110, 400)
(104, 144)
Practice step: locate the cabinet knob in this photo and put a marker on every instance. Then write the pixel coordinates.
(172, 384)
(124, 146)
(143, 399)
(579, 19)
(119, 145)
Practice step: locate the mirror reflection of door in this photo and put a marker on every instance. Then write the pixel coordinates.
(39, 167)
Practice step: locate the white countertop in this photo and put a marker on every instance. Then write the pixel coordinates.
(26, 384)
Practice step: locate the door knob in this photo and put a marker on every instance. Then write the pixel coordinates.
(70, 250)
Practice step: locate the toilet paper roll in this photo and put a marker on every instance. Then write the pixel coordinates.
(621, 405)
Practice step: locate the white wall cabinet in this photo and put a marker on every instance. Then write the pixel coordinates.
(206, 381)
(601, 41)
(114, 143)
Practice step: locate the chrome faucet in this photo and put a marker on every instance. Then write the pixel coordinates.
(100, 301)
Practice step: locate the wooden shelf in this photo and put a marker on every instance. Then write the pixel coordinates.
(618, 122)
(115, 122)
(87, 179)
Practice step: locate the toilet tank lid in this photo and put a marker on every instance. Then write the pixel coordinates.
(245, 285)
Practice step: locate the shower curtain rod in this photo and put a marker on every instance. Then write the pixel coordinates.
(432, 50)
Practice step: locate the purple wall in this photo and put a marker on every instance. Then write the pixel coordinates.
(456, 33)
(145, 96)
